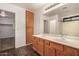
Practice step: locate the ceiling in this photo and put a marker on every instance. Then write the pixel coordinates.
(31, 6)
(69, 8)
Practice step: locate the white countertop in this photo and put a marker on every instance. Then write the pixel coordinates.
(66, 40)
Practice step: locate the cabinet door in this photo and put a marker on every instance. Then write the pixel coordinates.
(68, 51)
(40, 46)
(35, 43)
(58, 48)
(29, 26)
(29, 35)
(29, 19)
(59, 53)
(49, 51)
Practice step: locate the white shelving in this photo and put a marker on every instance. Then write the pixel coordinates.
(6, 24)
(7, 31)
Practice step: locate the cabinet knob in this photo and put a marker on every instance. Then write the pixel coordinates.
(48, 43)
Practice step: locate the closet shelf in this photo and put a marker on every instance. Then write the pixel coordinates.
(6, 24)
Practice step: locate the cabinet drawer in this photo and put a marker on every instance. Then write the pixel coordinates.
(56, 46)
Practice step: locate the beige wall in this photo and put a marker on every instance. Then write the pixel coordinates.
(71, 28)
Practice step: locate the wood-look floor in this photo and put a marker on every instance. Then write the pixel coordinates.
(22, 51)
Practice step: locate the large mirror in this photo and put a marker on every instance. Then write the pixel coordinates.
(54, 22)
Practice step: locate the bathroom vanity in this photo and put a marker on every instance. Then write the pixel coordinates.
(55, 46)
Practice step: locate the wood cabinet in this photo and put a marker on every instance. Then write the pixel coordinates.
(41, 46)
(58, 48)
(50, 48)
(69, 51)
(29, 35)
(29, 19)
(53, 49)
(29, 26)
(49, 51)
(38, 45)
(35, 43)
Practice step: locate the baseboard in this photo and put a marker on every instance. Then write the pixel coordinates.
(24, 45)
(28, 44)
